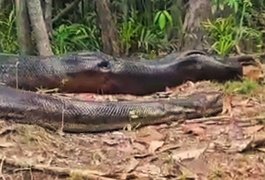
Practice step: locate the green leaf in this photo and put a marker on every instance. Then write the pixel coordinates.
(157, 16)
(162, 21)
(169, 17)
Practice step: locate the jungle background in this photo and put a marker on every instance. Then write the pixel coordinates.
(146, 28)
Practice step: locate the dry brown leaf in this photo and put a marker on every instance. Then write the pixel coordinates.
(253, 129)
(198, 166)
(258, 139)
(227, 105)
(149, 134)
(168, 147)
(261, 149)
(187, 173)
(154, 145)
(170, 170)
(189, 86)
(139, 146)
(149, 169)
(160, 150)
(132, 164)
(110, 142)
(6, 130)
(243, 103)
(253, 72)
(235, 132)
(196, 129)
(241, 145)
(6, 144)
(235, 142)
(188, 154)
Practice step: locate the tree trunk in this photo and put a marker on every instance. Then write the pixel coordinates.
(23, 28)
(198, 11)
(39, 27)
(48, 16)
(109, 33)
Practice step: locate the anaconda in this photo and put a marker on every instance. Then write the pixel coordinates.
(99, 73)
(96, 72)
(80, 116)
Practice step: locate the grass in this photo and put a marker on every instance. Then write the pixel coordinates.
(245, 87)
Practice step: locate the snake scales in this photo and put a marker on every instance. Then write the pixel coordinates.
(100, 73)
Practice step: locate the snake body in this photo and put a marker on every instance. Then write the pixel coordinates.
(80, 116)
(97, 72)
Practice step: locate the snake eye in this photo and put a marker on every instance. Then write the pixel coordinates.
(104, 66)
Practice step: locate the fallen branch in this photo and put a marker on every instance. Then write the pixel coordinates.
(60, 171)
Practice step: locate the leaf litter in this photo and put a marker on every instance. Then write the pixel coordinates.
(228, 146)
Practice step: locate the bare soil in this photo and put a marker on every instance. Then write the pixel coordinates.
(227, 146)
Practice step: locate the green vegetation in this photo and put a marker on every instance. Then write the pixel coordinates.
(75, 37)
(8, 38)
(149, 27)
(246, 87)
(228, 32)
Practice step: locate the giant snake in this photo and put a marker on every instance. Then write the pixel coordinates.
(100, 73)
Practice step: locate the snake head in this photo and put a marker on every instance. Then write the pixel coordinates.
(197, 103)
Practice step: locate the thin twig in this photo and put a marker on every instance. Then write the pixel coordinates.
(89, 174)
(65, 11)
(214, 118)
(60, 130)
(238, 50)
(17, 63)
(256, 118)
(62, 123)
(1, 168)
(204, 119)
(45, 91)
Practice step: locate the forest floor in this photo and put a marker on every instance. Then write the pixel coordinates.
(227, 146)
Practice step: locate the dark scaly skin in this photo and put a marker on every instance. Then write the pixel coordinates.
(79, 116)
(94, 72)
(145, 77)
(99, 73)
(50, 72)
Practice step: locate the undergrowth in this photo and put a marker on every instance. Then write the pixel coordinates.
(150, 27)
(8, 37)
(245, 87)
